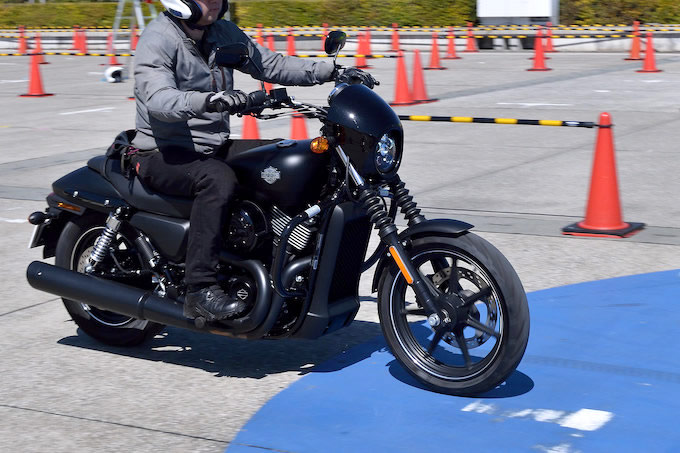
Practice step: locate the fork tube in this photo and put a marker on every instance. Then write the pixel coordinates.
(387, 231)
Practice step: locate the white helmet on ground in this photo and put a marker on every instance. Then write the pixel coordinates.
(114, 74)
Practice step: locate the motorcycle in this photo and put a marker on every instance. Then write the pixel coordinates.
(452, 309)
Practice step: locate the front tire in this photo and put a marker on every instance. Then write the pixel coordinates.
(465, 360)
(73, 248)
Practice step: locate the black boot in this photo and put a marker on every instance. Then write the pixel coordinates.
(212, 304)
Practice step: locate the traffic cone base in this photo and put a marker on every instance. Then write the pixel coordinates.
(603, 213)
(41, 95)
(580, 229)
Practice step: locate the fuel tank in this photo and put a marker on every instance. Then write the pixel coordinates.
(287, 174)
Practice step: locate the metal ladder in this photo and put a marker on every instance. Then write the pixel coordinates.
(137, 18)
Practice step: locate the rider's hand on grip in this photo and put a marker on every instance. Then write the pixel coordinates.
(231, 102)
(354, 75)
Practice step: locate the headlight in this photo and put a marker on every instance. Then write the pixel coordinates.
(386, 154)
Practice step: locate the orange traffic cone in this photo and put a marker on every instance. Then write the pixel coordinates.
(367, 43)
(298, 128)
(270, 42)
(134, 39)
(250, 130)
(111, 50)
(39, 49)
(74, 44)
(603, 214)
(23, 47)
(83, 42)
(290, 49)
(395, 38)
(434, 54)
(419, 91)
(548, 40)
(471, 44)
(539, 56)
(451, 46)
(635, 48)
(402, 96)
(35, 87)
(323, 37)
(260, 35)
(360, 57)
(649, 64)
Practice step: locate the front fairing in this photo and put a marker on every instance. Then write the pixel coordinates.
(360, 118)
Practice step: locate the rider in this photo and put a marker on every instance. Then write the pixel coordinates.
(183, 105)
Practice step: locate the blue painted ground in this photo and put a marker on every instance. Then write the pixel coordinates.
(601, 373)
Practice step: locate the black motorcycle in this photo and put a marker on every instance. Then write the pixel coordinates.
(451, 307)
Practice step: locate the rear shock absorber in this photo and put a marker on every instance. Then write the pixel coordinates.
(405, 201)
(101, 247)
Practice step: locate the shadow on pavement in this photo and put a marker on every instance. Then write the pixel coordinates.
(223, 356)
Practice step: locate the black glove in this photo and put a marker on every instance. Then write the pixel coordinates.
(232, 102)
(354, 75)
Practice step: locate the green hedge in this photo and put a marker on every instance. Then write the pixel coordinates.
(342, 12)
(619, 11)
(248, 13)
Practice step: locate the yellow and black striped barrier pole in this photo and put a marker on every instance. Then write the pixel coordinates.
(471, 119)
(70, 54)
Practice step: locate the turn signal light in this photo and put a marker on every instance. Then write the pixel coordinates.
(69, 207)
(319, 145)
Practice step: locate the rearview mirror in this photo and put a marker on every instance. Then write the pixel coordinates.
(335, 41)
(232, 56)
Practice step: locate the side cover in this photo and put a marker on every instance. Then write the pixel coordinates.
(335, 300)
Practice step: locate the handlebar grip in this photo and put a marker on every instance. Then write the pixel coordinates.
(257, 98)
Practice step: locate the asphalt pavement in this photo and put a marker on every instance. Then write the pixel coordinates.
(519, 185)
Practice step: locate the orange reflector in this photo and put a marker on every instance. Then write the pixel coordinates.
(319, 145)
(69, 207)
(400, 263)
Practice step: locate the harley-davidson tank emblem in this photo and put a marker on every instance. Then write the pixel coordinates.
(270, 175)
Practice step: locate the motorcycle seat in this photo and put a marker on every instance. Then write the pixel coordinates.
(133, 191)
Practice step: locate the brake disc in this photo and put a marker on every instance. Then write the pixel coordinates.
(473, 337)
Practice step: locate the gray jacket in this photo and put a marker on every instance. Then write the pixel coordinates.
(173, 83)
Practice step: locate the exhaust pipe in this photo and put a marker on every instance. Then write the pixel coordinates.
(109, 295)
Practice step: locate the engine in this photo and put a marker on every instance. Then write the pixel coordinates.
(250, 226)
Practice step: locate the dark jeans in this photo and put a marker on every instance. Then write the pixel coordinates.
(211, 182)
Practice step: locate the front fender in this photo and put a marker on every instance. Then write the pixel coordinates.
(434, 227)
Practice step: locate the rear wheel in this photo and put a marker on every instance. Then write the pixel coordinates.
(73, 250)
(483, 341)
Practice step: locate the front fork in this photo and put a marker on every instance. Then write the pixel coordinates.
(387, 231)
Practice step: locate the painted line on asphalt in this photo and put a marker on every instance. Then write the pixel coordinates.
(103, 109)
(582, 419)
(14, 81)
(533, 104)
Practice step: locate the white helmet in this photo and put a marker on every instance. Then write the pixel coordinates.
(114, 74)
(189, 10)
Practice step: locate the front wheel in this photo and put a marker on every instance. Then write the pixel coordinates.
(486, 341)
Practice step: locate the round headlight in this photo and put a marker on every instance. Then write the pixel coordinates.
(386, 154)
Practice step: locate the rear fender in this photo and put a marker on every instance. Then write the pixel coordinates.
(434, 227)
